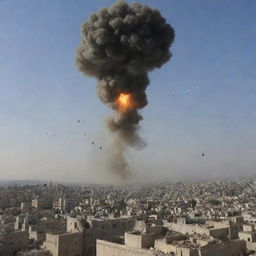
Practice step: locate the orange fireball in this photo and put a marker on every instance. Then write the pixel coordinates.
(123, 99)
(124, 102)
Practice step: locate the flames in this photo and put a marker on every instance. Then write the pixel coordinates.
(124, 101)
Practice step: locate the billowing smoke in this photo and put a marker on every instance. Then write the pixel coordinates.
(119, 46)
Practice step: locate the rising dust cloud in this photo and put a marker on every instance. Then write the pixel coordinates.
(119, 46)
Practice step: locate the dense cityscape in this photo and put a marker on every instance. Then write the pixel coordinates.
(180, 219)
(127, 128)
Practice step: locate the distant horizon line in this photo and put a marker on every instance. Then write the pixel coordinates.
(184, 180)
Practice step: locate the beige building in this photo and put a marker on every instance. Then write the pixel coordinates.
(215, 229)
(172, 244)
(87, 230)
(249, 236)
(67, 244)
(143, 240)
(25, 205)
(42, 203)
(63, 203)
(105, 248)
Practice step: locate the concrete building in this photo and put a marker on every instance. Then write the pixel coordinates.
(66, 244)
(42, 203)
(64, 203)
(88, 229)
(249, 236)
(216, 229)
(172, 244)
(25, 206)
(106, 248)
(39, 230)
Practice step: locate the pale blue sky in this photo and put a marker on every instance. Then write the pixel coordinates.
(203, 100)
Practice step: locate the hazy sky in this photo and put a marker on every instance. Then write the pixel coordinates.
(203, 100)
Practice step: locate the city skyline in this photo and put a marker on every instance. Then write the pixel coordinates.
(201, 102)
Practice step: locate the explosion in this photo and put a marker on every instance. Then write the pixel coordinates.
(119, 46)
(124, 101)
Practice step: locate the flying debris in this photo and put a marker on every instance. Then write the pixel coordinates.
(78, 121)
(100, 148)
(202, 154)
(120, 45)
(93, 142)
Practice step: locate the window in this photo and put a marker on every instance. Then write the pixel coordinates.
(249, 239)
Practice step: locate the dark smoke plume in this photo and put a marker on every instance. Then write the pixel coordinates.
(119, 46)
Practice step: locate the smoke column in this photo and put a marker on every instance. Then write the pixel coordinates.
(119, 46)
